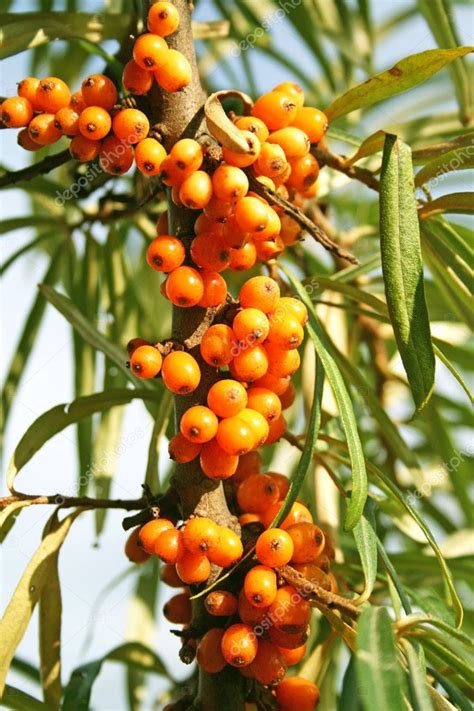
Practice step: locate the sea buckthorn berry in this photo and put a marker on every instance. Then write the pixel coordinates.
(229, 548)
(165, 253)
(293, 306)
(178, 609)
(271, 382)
(264, 401)
(308, 541)
(269, 666)
(272, 160)
(221, 603)
(248, 519)
(276, 109)
(215, 462)
(288, 397)
(227, 398)
(135, 79)
(304, 172)
(162, 227)
(250, 364)
(187, 155)
(26, 142)
(289, 640)
(258, 425)
(289, 611)
(131, 125)
(281, 481)
(209, 653)
(254, 125)
(148, 534)
(184, 287)
(314, 574)
(290, 230)
(248, 613)
(272, 230)
(269, 249)
(298, 514)
(243, 258)
(67, 121)
(249, 463)
(133, 549)
(274, 547)
(150, 51)
(207, 224)
(84, 149)
(181, 450)
(169, 546)
(239, 645)
(163, 19)
(115, 157)
(94, 123)
(257, 493)
(260, 586)
(135, 343)
(99, 90)
(294, 91)
(285, 332)
(16, 112)
(200, 535)
(293, 656)
(52, 94)
(277, 430)
(217, 211)
(196, 190)
(260, 292)
(215, 289)
(235, 436)
(243, 160)
(282, 363)
(193, 568)
(170, 577)
(251, 325)
(229, 183)
(217, 345)
(296, 692)
(169, 173)
(333, 582)
(146, 361)
(175, 71)
(42, 130)
(77, 102)
(149, 155)
(180, 372)
(209, 252)
(312, 121)
(199, 424)
(251, 214)
(27, 89)
(233, 235)
(292, 140)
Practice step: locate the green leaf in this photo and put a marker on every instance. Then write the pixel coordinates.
(452, 690)
(159, 429)
(419, 696)
(372, 144)
(19, 700)
(403, 269)
(457, 159)
(50, 611)
(457, 203)
(393, 576)
(436, 150)
(450, 249)
(26, 248)
(379, 674)
(439, 354)
(366, 542)
(18, 223)
(404, 75)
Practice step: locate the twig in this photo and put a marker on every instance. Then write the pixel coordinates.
(32, 171)
(325, 157)
(72, 501)
(321, 596)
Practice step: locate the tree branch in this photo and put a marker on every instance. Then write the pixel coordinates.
(32, 171)
(323, 597)
(325, 157)
(74, 501)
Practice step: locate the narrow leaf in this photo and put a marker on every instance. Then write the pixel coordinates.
(19, 700)
(457, 159)
(50, 612)
(457, 203)
(419, 695)
(366, 542)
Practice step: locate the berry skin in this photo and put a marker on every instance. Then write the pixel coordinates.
(229, 548)
(84, 149)
(218, 213)
(285, 332)
(289, 640)
(293, 656)
(150, 51)
(254, 125)
(196, 190)
(170, 577)
(298, 514)
(251, 214)
(251, 326)
(243, 160)
(165, 253)
(221, 603)
(27, 89)
(146, 362)
(67, 121)
(215, 289)
(304, 173)
(133, 549)
(178, 609)
(277, 385)
(181, 450)
(186, 156)
(272, 230)
(229, 183)
(293, 91)
(115, 157)
(181, 373)
(175, 72)
(130, 125)
(312, 121)
(276, 109)
(94, 123)
(314, 574)
(149, 155)
(209, 252)
(292, 306)
(277, 430)
(289, 611)
(99, 90)
(264, 401)
(77, 102)
(199, 424)
(200, 535)
(269, 666)
(23, 139)
(308, 541)
(16, 112)
(135, 79)
(184, 287)
(148, 534)
(271, 161)
(243, 258)
(169, 546)
(239, 645)
(217, 345)
(258, 425)
(257, 493)
(52, 94)
(260, 292)
(296, 692)
(274, 547)
(281, 481)
(215, 462)
(42, 130)
(235, 436)
(248, 613)
(227, 398)
(292, 140)
(282, 363)
(135, 343)
(250, 364)
(209, 653)
(260, 586)
(249, 463)
(163, 19)
(193, 568)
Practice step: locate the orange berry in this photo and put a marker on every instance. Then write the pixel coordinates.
(207, 224)
(148, 534)
(282, 363)
(133, 549)
(199, 424)
(251, 214)
(193, 568)
(26, 142)
(251, 326)
(274, 547)
(165, 253)
(250, 364)
(258, 425)
(215, 289)
(163, 19)
(99, 90)
(146, 362)
(150, 51)
(184, 287)
(292, 90)
(235, 436)
(260, 586)
(180, 372)
(162, 227)
(215, 462)
(175, 72)
(209, 653)
(293, 656)
(312, 121)
(292, 140)
(277, 430)
(84, 149)
(281, 481)
(313, 573)
(272, 230)
(288, 397)
(149, 155)
(27, 89)
(276, 109)
(269, 249)
(304, 173)
(248, 613)
(239, 645)
(52, 94)
(196, 190)
(16, 112)
(308, 541)
(290, 230)
(254, 125)
(264, 401)
(269, 666)
(229, 549)
(227, 398)
(243, 258)
(289, 610)
(169, 546)
(170, 577)
(277, 385)
(260, 292)
(289, 640)
(272, 160)
(181, 450)
(298, 514)
(229, 183)
(311, 191)
(294, 307)
(221, 603)
(257, 493)
(131, 125)
(178, 609)
(187, 156)
(285, 332)
(42, 130)
(209, 252)
(77, 102)
(94, 123)
(218, 212)
(135, 343)
(243, 160)
(170, 173)
(135, 79)
(217, 345)
(67, 121)
(296, 692)
(200, 535)
(116, 156)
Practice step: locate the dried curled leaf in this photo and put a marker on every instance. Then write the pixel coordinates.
(219, 124)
